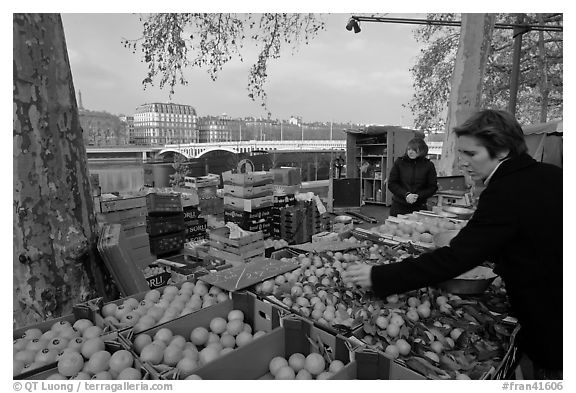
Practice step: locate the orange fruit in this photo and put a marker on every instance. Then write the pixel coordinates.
(199, 335)
(335, 366)
(235, 327)
(91, 346)
(235, 314)
(103, 375)
(172, 355)
(92, 331)
(244, 338)
(99, 361)
(297, 361)
(82, 324)
(324, 375)
(70, 364)
(141, 341)
(208, 354)
(152, 295)
(82, 375)
(129, 373)
(193, 376)
(164, 334)
(315, 363)
(37, 344)
(218, 325)
(303, 374)
(109, 310)
(186, 366)
(46, 356)
(276, 364)
(227, 340)
(152, 353)
(285, 372)
(121, 360)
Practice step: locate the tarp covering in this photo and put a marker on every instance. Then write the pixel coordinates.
(545, 141)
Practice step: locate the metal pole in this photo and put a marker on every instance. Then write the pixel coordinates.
(518, 32)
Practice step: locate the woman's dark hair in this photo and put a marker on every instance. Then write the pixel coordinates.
(496, 130)
(418, 145)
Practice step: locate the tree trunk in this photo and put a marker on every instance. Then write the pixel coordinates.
(466, 89)
(54, 226)
(544, 88)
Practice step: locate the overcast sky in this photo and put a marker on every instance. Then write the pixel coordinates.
(340, 76)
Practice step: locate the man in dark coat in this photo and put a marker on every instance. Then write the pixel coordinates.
(517, 225)
(412, 179)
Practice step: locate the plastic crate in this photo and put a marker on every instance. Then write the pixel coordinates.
(163, 203)
(161, 225)
(161, 245)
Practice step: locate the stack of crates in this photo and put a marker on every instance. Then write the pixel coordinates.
(195, 225)
(165, 223)
(297, 223)
(281, 201)
(238, 251)
(206, 186)
(248, 200)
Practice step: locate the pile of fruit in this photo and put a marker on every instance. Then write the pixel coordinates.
(315, 290)
(94, 361)
(151, 271)
(36, 348)
(276, 243)
(298, 366)
(439, 335)
(420, 229)
(159, 307)
(166, 351)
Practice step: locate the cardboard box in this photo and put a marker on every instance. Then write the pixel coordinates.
(252, 361)
(46, 371)
(258, 314)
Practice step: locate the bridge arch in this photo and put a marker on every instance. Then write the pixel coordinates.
(228, 149)
(181, 152)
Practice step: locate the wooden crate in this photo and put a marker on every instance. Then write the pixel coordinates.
(248, 205)
(113, 205)
(222, 235)
(248, 179)
(248, 191)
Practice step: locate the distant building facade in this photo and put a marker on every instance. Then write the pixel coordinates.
(102, 128)
(165, 123)
(218, 129)
(128, 122)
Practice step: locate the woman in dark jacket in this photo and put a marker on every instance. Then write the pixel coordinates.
(412, 179)
(509, 228)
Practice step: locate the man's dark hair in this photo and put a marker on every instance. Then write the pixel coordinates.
(497, 131)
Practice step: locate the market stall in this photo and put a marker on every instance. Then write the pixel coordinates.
(246, 305)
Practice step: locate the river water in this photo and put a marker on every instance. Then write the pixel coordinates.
(123, 176)
(127, 175)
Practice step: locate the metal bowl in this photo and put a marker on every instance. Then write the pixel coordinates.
(462, 212)
(470, 286)
(442, 239)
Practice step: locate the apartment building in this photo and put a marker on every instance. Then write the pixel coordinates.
(165, 123)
